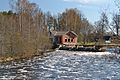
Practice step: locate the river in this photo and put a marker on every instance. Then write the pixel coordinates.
(64, 65)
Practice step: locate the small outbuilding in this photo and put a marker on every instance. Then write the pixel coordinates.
(68, 38)
(107, 38)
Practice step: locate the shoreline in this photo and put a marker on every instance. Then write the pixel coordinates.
(20, 57)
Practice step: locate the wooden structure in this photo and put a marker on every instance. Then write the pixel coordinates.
(93, 48)
(68, 38)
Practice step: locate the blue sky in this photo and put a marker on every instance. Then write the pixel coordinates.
(90, 8)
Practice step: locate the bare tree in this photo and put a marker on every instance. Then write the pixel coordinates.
(103, 24)
(117, 3)
(116, 23)
(21, 32)
(71, 19)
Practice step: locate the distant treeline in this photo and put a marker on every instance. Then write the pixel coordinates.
(25, 29)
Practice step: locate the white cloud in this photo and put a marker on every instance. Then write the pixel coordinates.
(87, 1)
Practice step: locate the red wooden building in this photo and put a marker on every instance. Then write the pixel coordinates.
(68, 38)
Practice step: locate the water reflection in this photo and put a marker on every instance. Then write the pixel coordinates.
(64, 65)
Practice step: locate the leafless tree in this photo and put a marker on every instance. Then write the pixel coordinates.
(24, 31)
(116, 23)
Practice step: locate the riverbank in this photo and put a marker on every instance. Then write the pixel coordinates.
(19, 57)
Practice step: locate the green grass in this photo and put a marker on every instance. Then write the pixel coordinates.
(89, 43)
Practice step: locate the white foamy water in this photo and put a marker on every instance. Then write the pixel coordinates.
(80, 53)
(65, 65)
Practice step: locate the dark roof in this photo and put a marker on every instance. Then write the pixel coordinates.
(73, 33)
(60, 33)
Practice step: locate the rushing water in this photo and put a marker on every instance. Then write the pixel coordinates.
(64, 65)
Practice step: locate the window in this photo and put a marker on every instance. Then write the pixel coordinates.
(71, 40)
(68, 40)
(65, 40)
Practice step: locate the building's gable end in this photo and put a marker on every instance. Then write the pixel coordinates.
(71, 34)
